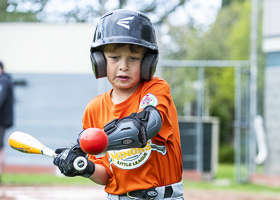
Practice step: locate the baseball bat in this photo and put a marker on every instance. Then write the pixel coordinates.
(26, 143)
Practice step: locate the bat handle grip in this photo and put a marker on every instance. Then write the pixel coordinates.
(80, 163)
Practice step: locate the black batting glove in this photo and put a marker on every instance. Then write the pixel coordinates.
(65, 158)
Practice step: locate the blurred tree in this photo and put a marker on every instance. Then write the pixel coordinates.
(228, 2)
(8, 13)
(227, 39)
(80, 11)
(235, 19)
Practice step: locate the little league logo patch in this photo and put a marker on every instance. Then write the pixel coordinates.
(148, 100)
(134, 157)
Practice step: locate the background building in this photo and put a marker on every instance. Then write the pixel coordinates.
(51, 67)
(271, 46)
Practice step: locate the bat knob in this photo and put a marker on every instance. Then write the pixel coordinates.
(80, 163)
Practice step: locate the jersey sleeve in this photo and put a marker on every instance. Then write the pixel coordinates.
(157, 93)
(101, 161)
(92, 114)
(90, 119)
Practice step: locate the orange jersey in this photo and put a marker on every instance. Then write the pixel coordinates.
(159, 163)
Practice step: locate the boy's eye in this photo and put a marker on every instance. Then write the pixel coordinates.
(114, 57)
(134, 58)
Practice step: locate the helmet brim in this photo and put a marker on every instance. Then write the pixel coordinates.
(123, 40)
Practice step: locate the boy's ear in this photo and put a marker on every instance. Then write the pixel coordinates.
(99, 66)
(148, 66)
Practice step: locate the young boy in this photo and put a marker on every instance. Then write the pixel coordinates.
(143, 159)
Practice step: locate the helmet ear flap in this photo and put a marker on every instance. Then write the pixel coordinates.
(148, 66)
(98, 64)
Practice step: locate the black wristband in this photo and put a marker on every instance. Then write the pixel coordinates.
(89, 170)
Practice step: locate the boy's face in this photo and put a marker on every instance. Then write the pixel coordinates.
(123, 66)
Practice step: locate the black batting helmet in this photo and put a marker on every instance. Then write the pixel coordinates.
(129, 27)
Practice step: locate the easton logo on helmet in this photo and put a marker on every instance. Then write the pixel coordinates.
(124, 22)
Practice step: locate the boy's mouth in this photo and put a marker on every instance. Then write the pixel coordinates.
(123, 77)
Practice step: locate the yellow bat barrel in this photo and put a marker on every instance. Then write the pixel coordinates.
(25, 143)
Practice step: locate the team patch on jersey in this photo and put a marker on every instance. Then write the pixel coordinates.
(134, 157)
(148, 100)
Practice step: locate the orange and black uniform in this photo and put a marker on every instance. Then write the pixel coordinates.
(157, 164)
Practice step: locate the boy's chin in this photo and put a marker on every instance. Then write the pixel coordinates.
(126, 86)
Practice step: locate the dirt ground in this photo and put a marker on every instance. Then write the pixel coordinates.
(97, 193)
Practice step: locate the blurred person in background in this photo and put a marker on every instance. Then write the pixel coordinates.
(6, 109)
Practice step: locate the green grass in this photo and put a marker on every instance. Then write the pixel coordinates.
(42, 179)
(225, 172)
(224, 181)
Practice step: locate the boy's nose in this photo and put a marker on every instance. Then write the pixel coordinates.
(124, 65)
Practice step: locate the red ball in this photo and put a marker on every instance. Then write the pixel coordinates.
(93, 141)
